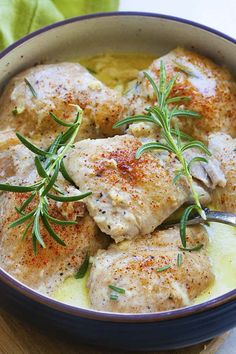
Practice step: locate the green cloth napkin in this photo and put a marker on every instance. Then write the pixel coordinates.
(20, 17)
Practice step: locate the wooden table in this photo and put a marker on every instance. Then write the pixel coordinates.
(17, 337)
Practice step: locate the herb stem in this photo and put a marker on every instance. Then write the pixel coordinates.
(178, 152)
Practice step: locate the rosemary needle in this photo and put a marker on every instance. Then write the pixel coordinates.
(162, 269)
(34, 93)
(185, 69)
(83, 268)
(116, 289)
(179, 259)
(114, 295)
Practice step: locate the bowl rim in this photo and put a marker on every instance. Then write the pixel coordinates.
(29, 293)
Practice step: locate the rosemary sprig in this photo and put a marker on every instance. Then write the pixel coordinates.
(34, 93)
(161, 114)
(48, 164)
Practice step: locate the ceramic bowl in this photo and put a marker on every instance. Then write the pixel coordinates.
(119, 32)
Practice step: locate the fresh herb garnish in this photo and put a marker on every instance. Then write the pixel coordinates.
(175, 141)
(116, 289)
(48, 164)
(114, 297)
(161, 269)
(185, 69)
(34, 93)
(190, 249)
(17, 110)
(83, 268)
(179, 259)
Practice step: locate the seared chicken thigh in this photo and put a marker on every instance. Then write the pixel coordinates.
(56, 87)
(147, 270)
(129, 196)
(211, 89)
(224, 149)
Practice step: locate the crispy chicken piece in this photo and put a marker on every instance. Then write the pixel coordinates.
(135, 266)
(52, 265)
(211, 88)
(57, 86)
(224, 149)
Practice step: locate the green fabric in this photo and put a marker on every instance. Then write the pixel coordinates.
(20, 17)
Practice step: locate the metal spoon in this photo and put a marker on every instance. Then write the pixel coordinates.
(211, 215)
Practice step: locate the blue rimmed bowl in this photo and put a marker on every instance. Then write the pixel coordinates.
(90, 35)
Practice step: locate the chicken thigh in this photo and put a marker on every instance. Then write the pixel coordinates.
(211, 89)
(46, 270)
(56, 87)
(52, 265)
(129, 196)
(148, 275)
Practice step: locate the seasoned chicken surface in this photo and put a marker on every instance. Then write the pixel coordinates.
(211, 89)
(52, 265)
(129, 196)
(224, 149)
(57, 86)
(135, 266)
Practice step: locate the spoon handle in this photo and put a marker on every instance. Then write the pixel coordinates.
(211, 215)
(221, 217)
